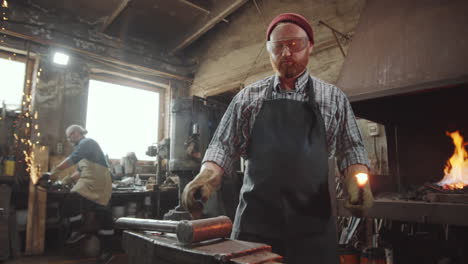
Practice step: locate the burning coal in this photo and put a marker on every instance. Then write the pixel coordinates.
(456, 170)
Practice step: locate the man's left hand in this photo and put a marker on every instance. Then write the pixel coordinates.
(352, 202)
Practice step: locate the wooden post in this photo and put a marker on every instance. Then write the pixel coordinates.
(37, 203)
(5, 196)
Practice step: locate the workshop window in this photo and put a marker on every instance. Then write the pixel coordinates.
(12, 86)
(122, 119)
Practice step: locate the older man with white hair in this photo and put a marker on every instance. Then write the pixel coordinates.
(92, 183)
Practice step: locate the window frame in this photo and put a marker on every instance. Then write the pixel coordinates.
(30, 64)
(138, 85)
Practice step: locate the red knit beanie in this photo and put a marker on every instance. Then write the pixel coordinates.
(293, 18)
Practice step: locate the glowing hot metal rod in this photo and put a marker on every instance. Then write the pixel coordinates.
(362, 179)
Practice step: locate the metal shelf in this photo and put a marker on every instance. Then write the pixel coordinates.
(414, 211)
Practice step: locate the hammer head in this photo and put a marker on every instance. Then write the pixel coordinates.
(203, 229)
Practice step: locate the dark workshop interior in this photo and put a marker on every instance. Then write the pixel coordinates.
(150, 80)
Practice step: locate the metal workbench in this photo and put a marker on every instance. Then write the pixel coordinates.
(414, 211)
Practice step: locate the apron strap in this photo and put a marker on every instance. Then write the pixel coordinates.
(309, 89)
(270, 88)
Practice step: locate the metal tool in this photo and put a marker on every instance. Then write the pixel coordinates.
(187, 231)
(362, 179)
(199, 199)
(349, 230)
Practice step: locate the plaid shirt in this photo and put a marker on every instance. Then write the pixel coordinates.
(232, 136)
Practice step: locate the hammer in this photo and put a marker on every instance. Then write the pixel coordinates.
(187, 231)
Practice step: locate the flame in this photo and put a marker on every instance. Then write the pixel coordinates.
(4, 4)
(362, 178)
(456, 170)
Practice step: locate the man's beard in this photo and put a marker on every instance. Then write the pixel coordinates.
(288, 71)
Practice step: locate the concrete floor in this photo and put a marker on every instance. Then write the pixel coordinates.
(119, 258)
(57, 253)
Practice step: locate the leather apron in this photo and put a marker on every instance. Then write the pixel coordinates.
(285, 195)
(95, 183)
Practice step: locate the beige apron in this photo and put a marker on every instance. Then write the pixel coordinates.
(95, 182)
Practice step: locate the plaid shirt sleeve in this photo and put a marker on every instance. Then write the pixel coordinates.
(349, 147)
(229, 140)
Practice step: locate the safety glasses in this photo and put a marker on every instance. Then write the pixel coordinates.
(294, 45)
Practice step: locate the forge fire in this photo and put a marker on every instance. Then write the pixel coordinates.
(456, 169)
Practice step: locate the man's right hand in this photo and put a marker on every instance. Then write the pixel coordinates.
(199, 190)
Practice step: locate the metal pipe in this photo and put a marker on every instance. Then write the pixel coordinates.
(339, 44)
(187, 231)
(333, 29)
(147, 224)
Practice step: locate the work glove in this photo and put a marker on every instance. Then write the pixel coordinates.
(352, 202)
(198, 191)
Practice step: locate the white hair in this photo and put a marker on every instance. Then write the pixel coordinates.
(76, 128)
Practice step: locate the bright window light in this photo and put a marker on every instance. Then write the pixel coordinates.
(61, 58)
(122, 119)
(12, 83)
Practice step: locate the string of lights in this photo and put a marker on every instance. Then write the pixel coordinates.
(4, 17)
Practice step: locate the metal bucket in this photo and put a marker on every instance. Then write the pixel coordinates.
(373, 256)
(348, 255)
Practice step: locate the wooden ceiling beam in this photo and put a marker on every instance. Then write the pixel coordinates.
(108, 21)
(221, 10)
(204, 10)
(97, 56)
